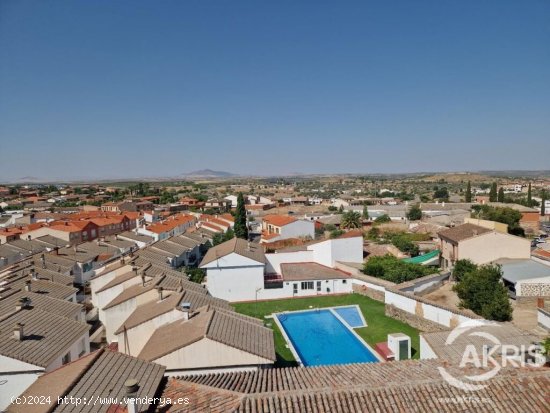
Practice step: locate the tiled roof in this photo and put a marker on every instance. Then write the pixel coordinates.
(98, 376)
(132, 292)
(47, 336)
(235, 245)
(303, 271)
(156, 308)
(462, 232)
(41, 302)
(404, 386)
(505, 333)
(223, 326)
(279, 220)
(136, 237)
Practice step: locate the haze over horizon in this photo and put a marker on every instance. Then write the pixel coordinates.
(96, 90)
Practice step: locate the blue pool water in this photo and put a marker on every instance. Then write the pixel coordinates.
(350, 315)
(320, 338)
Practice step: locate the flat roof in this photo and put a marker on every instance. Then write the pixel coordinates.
(519, 270)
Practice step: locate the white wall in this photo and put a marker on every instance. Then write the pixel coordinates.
(426, 352)
(297, 229)
(235, 284)
(82, 345)
(13, 385)
(274, 261)
(139, 335)
(430, 312)
(209, 353)
(493, 246)
(543, 319)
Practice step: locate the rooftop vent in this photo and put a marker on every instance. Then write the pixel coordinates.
(18, 332)
(186, 306)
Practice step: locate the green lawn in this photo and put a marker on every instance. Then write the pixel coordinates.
(379, 325)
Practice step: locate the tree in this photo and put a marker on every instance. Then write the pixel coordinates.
(482, 291)
(500, 196)
(365, 212)
(341, 209)
(529, 198)
(506, 215)
(241, 230)
(468, 196)
(463, 267)
(351, 219)
(493, 192)
(393, 269)
(382, 219)
(415, 213)
(441, 193)
(543, 202)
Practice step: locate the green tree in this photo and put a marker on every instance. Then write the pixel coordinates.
(542, 206)
(365, 212)
(441, 193)
(341, 209)
(468, 196)
(483, 292)
(241, 230)
(393, 269)
(195, 275)
(493, 192)
(506, 215)
(351, 219)
(382, 219)
(500, 196)
(462, 267)
(529, 197)
(415, 213)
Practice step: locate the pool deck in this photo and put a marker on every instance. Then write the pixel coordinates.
(331, 309)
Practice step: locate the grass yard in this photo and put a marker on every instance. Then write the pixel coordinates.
(379, 325)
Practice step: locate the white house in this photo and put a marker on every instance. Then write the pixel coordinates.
(279, 227)
(240, 271)
(213, 339)
(33, 342)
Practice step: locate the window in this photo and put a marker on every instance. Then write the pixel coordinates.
(66, 358)
(307, 285)
(318, 286)
(344, 281)
(295, 288)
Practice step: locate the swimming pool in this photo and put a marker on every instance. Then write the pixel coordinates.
(320, 337)
(351, 315)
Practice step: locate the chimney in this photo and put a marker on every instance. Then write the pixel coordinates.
(131, 386)
(23, 302)
(34, 275)
(18, 332)
(28, 286)
(160, 290)
(143, 279)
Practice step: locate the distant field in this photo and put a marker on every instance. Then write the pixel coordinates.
(379, 325)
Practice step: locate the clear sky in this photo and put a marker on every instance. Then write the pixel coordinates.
(97, 89)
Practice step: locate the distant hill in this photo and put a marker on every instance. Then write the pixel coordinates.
(209, 173)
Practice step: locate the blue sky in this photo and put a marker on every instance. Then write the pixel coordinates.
(97, 89)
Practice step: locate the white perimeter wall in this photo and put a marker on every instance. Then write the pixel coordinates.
(543, 319)
(430, 312)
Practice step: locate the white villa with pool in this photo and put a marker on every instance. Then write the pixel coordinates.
(240, 271)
